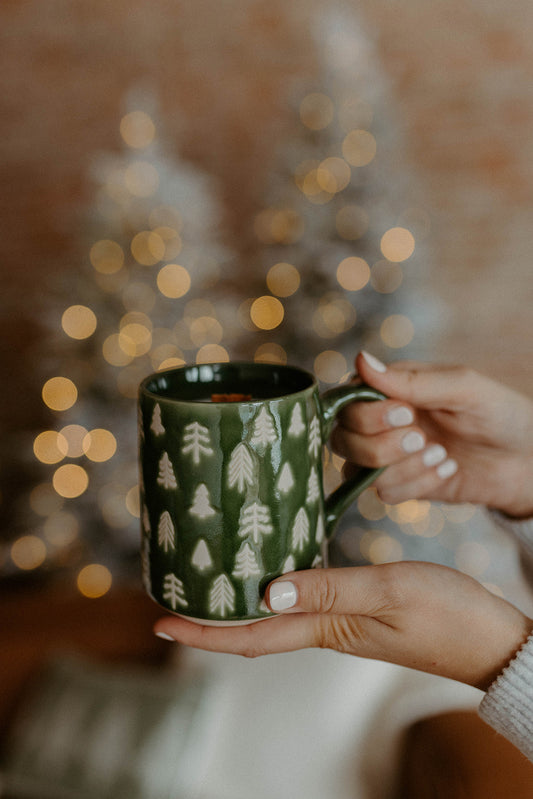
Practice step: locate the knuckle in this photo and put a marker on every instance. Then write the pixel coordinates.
(324, 594)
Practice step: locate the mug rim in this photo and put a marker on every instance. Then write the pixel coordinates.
(146, 390)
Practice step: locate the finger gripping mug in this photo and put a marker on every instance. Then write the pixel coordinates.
(231, 483)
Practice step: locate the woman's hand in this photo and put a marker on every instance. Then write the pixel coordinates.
(447, 433)
(420, 615)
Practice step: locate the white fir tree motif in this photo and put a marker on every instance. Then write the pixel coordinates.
(315, 439)
(285, 479)
(157, 426)
(166, 476)
(313, 487)
(241, 468)
(166, 535)
(289, 565)
(317, 562)
(201, 504)
(174, 592)
(300, 531)
(197, 441)
(255, 522)
(264, 429)
(201, 557)
(246, 563)
(221, 596)
(296, 426)
(320, 532)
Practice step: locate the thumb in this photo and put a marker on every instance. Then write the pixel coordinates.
(353, 590)
(423, 385)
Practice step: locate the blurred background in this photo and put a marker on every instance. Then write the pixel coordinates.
(196, 181)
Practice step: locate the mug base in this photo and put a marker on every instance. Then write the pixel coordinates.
(222, 623)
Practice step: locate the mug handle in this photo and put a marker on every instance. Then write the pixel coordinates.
(331, 403)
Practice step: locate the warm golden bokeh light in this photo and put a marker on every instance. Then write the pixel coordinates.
(316, 111)
(135, 339)
(370, 506)
(397, 331)
(99, 445)
(206, 330)
(212, 353)
(70, 480)
(397, 244)
(267, 312)
(330, 366)
(61, 529)
(359, 147)
(107, 256)
(148, 248)
(353, 273)
(94, 581)
(28, 552)
(133, 502)
(173, 281)
(270, 353)
(333, 175)
(114, 353)
(50, 447)
(141, 179)
(59, 393)
(137, 129)
(74, 435)
(283, 279)
(78, 322)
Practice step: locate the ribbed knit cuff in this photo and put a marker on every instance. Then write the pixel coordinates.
(508, 704)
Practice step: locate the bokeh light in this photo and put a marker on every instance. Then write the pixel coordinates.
(70, 480)
(106, 256)
(99, 445)
(212, 353)
(397, 331)
(61, 529)
(147, 247)
(397, 244)
(94, 580)
(137, 129)
(386, 277)
(28, 552)
(359, 147)
(173, 281)
(267, 312)
(270, 353)
(79, 321)
(353, 273)
(330, 366)
(59, 393)
(74, 435)
(283, 279)
(50, 447)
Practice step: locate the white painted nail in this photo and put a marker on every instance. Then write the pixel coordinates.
(283, 595)
(447, 469)
(165, 637)
(373, 362)
(413, 442)
(433, 455)
(400, 416)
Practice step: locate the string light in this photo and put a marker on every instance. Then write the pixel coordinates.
(28, 552)
(59, 393)
(353, 273)
(266, 312)
(94, 580)
(79, 322)
(397, 244)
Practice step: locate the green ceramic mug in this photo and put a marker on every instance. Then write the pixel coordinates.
(231, 486)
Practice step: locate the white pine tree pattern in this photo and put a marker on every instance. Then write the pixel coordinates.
(174, 592)
(317, 562)
(166, 535)
(300, 531)
(166, 476)
(157, 426)
(289, 565)
(286, 479)
(296, 426)
(197, 441)
(313, 487)
(201, 557)
(221, 596)
(264, 429)
(315, 439)
(320, 532)
(246, 563)
(255, 522)
(201, 506)
(241, 468)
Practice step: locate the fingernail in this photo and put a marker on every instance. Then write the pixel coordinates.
(413, 442)
(400, 416)
(283, 595)
(447, 468)
(373, 362)
(165, 637)
(433, 455)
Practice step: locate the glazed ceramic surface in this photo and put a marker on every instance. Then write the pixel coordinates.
(231, 491)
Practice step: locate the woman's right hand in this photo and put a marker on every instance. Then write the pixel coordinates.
(447, 433)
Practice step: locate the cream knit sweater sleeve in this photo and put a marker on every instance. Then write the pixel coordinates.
(508, 704)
